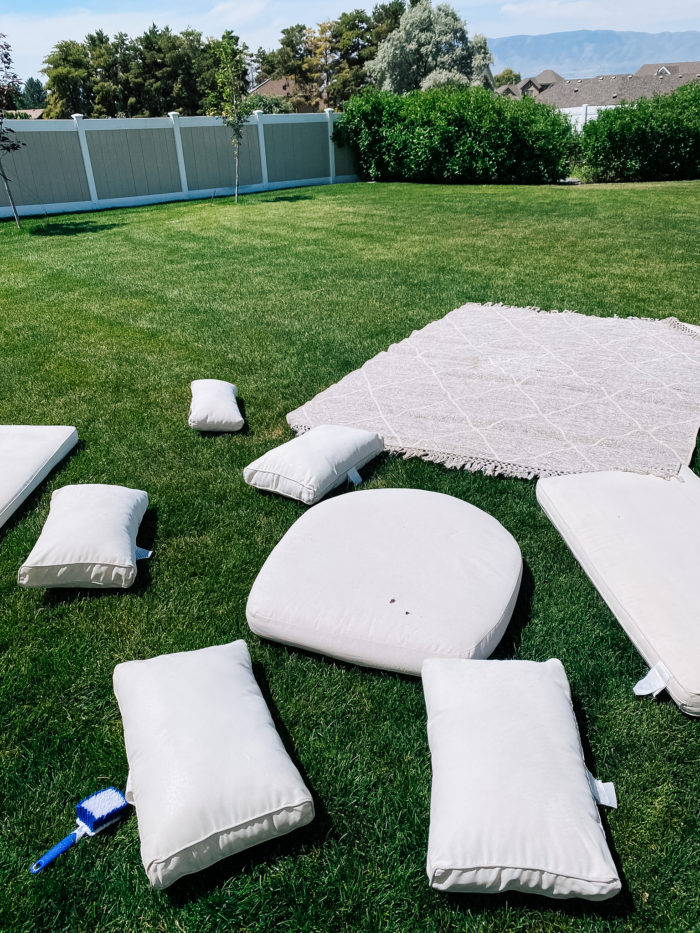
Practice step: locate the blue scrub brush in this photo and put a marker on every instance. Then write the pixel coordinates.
(93, 814)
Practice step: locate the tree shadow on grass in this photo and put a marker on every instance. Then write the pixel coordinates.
(145, 539)
(289, 197)
(293, 843)
(70, 228)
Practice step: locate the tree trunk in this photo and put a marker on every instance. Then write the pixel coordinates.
(236, 148)
(6, 183)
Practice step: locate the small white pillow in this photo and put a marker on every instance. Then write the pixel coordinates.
(309, 466)
(214, 406)
(511, 805)
(88, 539)
(209, 775)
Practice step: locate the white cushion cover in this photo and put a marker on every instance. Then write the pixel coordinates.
(638, 539)
(389, 577)
(88, 539)
(309, 466)
(209, 775)
(28, 453)
(511, 807)
(214, 406)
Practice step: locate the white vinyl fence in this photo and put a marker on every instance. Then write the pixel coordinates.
(579, 116)
(83, 165)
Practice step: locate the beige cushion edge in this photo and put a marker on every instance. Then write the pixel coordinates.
(266, 628)
(493, 879)
(39, 475)
(156, 868)
(689, 703)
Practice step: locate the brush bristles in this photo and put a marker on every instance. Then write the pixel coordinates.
(103, 807)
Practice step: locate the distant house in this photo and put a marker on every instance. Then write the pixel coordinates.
(288, 89)
(673, 68)
(32, 114)
(610, 90)
(582, 98)
(530, 87)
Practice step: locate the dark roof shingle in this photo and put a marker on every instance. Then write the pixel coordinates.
(608, 90)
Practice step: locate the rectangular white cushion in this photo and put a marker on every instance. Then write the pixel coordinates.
(88, 539)
(638, 539)
(28, 453)
(511, 805)
(214, 406)
(209, 775)
(309, 466)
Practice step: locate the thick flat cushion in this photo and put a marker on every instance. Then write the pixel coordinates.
(209, 775)
(214, 406)
(309, 466)
(638, 539)
(28, 453)
(511, 807)
(388, 577)
(88, 539)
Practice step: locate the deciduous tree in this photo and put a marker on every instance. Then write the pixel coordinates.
(427, 40)
(9, 91)
(507, 76)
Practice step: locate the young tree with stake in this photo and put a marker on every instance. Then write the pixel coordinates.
(230, 101)
(10, 88)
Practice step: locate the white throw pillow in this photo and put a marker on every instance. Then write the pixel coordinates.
(214, 406)
(388, 578)
(88, 539)
(28, 453)
(209, 775)
(512, 806)
(309, 466)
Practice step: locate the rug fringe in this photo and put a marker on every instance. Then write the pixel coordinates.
(487, 467)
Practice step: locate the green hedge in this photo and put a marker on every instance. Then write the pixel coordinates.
(652, 139)
(456, 134)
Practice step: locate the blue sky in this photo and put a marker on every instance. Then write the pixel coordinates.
(34, 26)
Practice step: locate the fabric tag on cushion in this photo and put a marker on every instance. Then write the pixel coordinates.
(654, 681)
(603, 792)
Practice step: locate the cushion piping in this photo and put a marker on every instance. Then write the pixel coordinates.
(230, 829)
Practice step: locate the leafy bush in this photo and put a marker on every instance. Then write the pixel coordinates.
(270, 104)
(456, 134)
(652, 139)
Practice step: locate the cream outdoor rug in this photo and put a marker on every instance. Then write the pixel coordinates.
(527, 393)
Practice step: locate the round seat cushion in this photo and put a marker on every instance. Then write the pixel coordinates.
(389, 577)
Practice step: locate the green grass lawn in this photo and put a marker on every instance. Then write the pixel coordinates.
(104, 320)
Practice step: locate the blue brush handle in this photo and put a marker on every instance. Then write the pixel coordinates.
(63, 846)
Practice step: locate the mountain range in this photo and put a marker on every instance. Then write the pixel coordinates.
(585, 53)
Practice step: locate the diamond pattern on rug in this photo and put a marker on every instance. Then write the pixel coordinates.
(524, 392)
